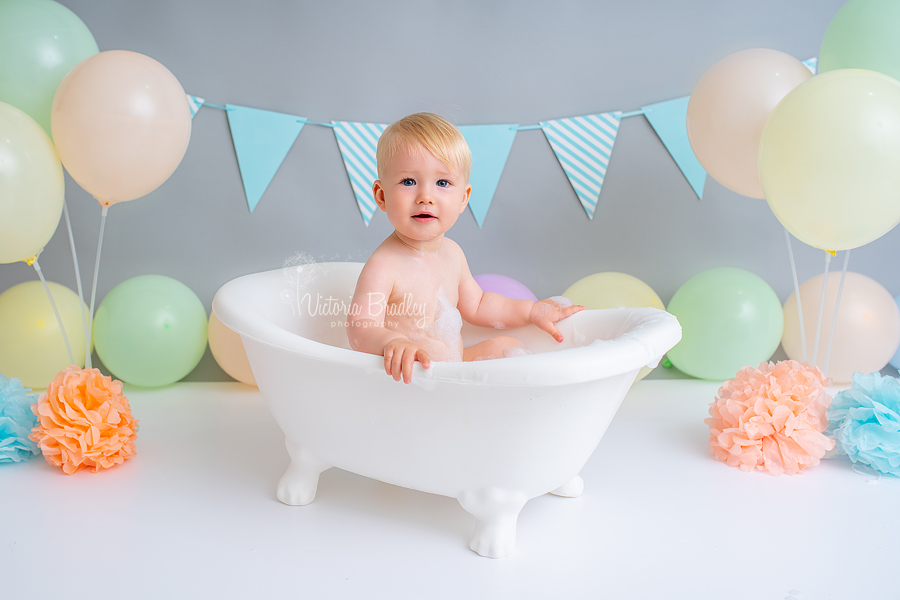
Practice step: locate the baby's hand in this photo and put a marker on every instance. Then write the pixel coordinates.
(399, 356)
(547, 312)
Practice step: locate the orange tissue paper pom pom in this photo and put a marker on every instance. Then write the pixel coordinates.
(84, 421)
(771, 418)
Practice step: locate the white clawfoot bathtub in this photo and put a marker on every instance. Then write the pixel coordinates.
(492, 434)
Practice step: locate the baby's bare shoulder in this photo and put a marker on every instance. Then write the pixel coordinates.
(454, 250)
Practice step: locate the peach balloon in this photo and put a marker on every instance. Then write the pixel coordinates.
(228, 350)
(867, 332)
(121, 124)
(729, 108)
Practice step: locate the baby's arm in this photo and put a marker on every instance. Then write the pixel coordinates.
(367, 330)
(488, 309)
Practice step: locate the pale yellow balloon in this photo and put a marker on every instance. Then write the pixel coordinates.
(121, 123)
(868, 326)
(729, 108)
(31, 186)
(614, 290)
(228, 350)
(32, 347)
(829, 159)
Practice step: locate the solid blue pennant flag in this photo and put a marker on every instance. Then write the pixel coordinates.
(490, 146)
(669, 120)
(583, 146)
(261, 141)
(195, 102)
(357, 142)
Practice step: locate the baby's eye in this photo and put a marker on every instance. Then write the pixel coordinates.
(408, 181)
(443, 183)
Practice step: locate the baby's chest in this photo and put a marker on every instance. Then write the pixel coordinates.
(425, 293)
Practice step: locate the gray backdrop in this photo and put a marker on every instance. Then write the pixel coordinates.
(474, 62)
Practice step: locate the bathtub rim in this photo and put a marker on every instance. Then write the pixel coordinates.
(597, 360)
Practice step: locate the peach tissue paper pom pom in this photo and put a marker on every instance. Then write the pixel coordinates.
(771, 418)
(84, 421)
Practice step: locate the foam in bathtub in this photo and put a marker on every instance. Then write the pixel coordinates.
(492, 434)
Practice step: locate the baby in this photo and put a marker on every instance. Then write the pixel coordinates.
(416, 288)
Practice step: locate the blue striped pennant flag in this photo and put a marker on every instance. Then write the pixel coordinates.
(195, 102)
(812, 64)
(357, 142)
(583, 146)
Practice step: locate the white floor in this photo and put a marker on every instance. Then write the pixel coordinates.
(194, 515)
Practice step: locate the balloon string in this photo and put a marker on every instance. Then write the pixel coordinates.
(87, 334)
(787, 238)
(821, 308)
(37, 268)
(87, 360)
(834, 319)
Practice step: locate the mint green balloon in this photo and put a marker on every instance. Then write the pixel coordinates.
(150, 330)
(730, 318)
(865, 34)
(40, 41)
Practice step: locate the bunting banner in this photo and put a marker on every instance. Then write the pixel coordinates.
(261, 139)
(195, 102)
(669, 121)
(357, 143)
(812, 64)
(582, 146)
(490, 146)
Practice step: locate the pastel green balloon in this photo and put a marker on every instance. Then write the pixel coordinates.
(31, 186)
(40, 41)
(32, 347)
(150, 330)
(730, 318)
(863, 35)
(829, 159)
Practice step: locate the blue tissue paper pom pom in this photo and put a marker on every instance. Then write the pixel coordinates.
(16, 421)
(865, 422)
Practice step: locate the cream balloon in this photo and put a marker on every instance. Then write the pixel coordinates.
(867, 332)
(228, 350)
(829, 157)
(614, 290)
(32, 347)
(729, 108)
(121, 124)
(31, 186)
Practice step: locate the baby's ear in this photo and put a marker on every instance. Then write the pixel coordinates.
(378, 193)
(465, 201)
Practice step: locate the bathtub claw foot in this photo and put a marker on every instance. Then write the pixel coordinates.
(572, 489)
(297, 487)
(496, 512)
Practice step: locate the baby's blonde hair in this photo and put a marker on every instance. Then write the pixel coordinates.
(434, 133)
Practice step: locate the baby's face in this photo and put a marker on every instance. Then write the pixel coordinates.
(421, 195)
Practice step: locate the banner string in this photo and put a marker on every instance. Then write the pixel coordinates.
(633, 113)
(210, 104)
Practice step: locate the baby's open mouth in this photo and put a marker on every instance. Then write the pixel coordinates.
(423, 217)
